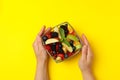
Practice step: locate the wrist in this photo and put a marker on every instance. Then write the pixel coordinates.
(42, 64)
(41, 58)
(86, 71)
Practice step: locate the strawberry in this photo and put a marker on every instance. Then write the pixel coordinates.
(57, 47)
(54, 56)
(70, 53)
(61, 55)
(48, 35)
(73, 33)
(48, 47)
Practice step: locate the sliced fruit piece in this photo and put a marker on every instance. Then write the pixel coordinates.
(57, 30)
(66, 42)
(72, 37)
(69, 48)
(70, 29)
(51, 40)
(78, 46)
(76, 43)
(58, 59)
(64, 49)
(61, 55)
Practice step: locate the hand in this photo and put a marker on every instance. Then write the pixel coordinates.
(38, 47)
(85, 61)
(87, 55)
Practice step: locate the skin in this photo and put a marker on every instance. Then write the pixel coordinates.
(42, 58)
(85, 61)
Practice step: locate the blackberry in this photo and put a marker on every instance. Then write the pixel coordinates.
(60, 50)
(66, 56)
(66, 33)
(64, 26)
(60, 45)
(54, 52)
(54, 34)
(44, 38)
(53, 44)
(71, 42)
(53, 48)
(74, 48)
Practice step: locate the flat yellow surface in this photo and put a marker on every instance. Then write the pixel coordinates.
(21, 20)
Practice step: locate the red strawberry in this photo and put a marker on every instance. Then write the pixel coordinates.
(48, 35)
(70, 53)
(54, 56)
(48, 47)
(61, 55)
(73, 33)
(57, 47)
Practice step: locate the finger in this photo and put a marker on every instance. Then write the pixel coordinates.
(84, 52)
(47, 30)
(90, 54)
(85, 41)
(35, 45)
(41, 31)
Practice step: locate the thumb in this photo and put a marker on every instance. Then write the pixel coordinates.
(84, 52)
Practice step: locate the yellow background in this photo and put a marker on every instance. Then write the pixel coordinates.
(21, 20)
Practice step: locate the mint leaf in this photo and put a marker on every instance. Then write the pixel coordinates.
(62, 33)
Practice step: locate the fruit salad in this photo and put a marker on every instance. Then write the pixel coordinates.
(62, 42)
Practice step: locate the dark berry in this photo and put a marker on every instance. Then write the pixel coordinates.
(60, 50)
(74, 48)
(71, 42)
(64, 27)
(66, 32)
(53, 48)
(53, 44)
(54, 34)
(60, 45)
(54, 52)
(44, 38)
(66, 56)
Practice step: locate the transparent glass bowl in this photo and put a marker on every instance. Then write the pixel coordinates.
(62, 42)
